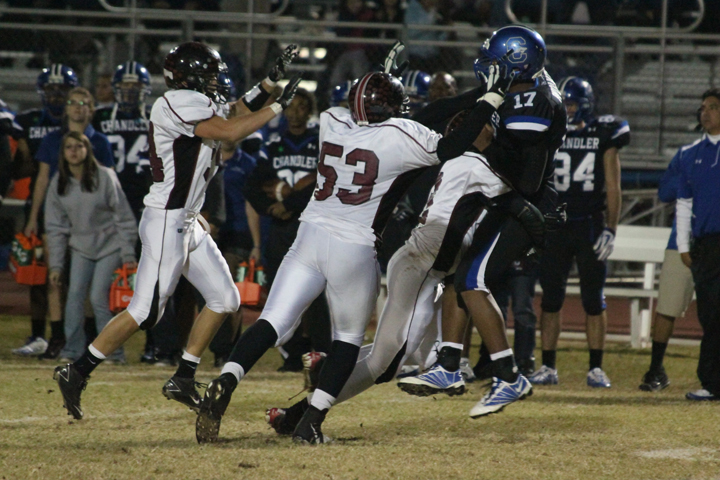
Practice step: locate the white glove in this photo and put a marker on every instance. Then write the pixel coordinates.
(605, 244)
(498, 82)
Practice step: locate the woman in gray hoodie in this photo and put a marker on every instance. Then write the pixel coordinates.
(86, 210)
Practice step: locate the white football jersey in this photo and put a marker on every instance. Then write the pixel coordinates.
(360, 172)
(458, 177)
(182, 163)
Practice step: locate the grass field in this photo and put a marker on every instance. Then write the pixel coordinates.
(562, 432)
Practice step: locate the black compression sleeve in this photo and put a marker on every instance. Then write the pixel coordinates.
(256, 98)
(444, 108)
(460, 139)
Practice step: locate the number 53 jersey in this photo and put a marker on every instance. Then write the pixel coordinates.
(363, 172)
(580, 167)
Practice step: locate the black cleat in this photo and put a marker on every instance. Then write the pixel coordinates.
(308, 431)
(217, 397)
(71, 385)
(183, 390)
(654, 380)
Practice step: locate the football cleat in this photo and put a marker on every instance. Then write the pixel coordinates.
(501, 394)
(701, 395)
(216, 400)
(654, 380)
(596, 378)
(466, 371)
(435, 380)
(312, 364)
(183, 390)
(308, 431)
(71, 385)
(33, 346)
(544, 376)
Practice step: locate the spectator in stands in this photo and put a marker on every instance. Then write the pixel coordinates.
(53, 85)
(353, 61)
(88, 213)
(676, 286)
(698, 216)
(281, 186)
(104, 95)
(425, 57)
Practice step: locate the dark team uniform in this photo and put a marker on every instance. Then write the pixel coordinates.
(529, 127)
(128, 136)
(580, 181)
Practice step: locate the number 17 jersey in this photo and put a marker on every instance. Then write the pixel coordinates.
(363, 171)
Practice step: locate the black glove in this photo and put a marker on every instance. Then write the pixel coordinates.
(555, 220)
(289, 92)
(277, 73)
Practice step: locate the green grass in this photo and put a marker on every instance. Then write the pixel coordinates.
(562, 432)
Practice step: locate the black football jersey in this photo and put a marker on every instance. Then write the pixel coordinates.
(128, 136)
(36, 123)
(524, 119)
(580, 167)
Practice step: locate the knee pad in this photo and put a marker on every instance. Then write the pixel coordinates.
(352, 338)
(594, 304)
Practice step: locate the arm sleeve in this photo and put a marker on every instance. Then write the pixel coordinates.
(57, 227)
(444, 108)
(460, 139)
(683, 218)
(125, 222)
(253, 191)
(103, 151)
(670, 181)
(297, 201)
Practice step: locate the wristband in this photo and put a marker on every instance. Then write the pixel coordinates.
(493, 99)
(278, 191)
(255, 98)
(276, 108)
(270, 82)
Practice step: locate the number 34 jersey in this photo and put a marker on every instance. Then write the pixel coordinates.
(363, 172)
(580, 167)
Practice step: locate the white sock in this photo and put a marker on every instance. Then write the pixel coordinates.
(322, 400)
(235, 369)
(501, 354)
(190, 357)
(97, 353)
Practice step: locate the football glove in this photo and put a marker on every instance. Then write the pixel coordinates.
(390, 66)
(289, 92)
(605, 244)
(277, 73)
(555, 220)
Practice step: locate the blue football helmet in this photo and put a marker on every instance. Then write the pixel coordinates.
(417, 88)
(339, 95)
(53, 84)
(226, 88)
(131, 72)
(527, 59)
(578, 90)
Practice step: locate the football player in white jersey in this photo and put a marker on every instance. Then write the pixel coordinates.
(368, 157)
(185, 131)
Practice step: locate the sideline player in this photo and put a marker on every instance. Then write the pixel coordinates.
(185, 126)
(587, 178)
(529, 128)
(368, 157)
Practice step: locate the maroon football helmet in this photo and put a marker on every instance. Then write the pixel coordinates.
(193, 66)
(376, 97)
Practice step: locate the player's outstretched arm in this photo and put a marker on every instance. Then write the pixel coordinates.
(237, 128)
(258, 96)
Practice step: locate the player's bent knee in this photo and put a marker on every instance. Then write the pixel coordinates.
(229, 303)
(550, 307)
(594, 306)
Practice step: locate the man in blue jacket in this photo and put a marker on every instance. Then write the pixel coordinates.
(698, 217)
